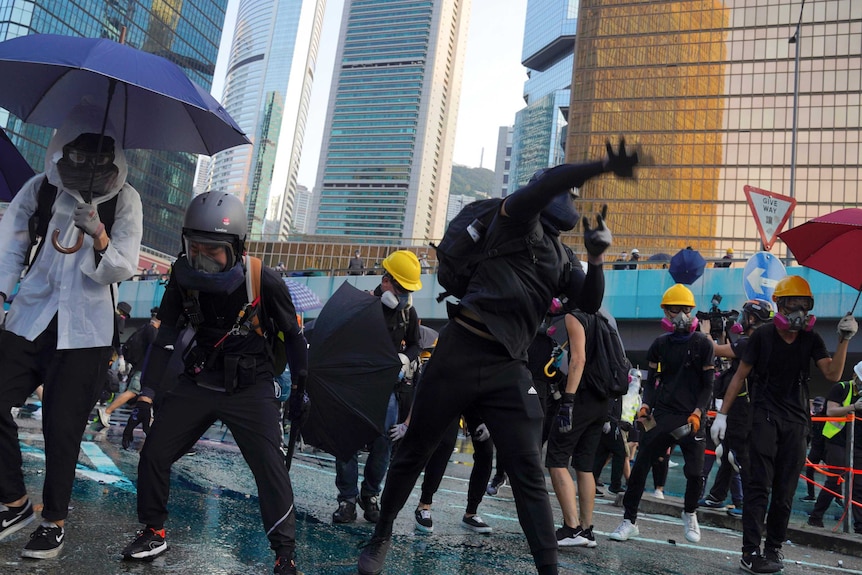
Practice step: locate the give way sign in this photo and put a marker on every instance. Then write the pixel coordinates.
(770, 211)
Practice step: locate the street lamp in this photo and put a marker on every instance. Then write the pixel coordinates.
(796, 39)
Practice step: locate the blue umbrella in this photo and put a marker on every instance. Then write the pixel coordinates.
(303, 298)
(686, 266)
(150, 101)
(14, 169)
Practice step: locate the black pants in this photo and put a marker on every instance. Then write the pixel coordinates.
(835, 457)
(777, 455)
(653, 446)
(614, 445)
(73, 380)
(468, 371)
(816, 454)
(483, 455)
(253, 416)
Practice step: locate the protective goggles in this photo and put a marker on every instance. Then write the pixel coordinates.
(797, 303)
(675, 309)
(80, 158)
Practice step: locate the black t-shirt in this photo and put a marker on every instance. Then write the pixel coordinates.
(682, 386)
(838, 393)
(780, 374)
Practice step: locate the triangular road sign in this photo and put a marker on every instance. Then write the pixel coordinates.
(771, 212)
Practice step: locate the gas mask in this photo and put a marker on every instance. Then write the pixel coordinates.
(561, 213)
(201, 253)
(397, 302)
(81, 168)
(680, 323)
(797, 320)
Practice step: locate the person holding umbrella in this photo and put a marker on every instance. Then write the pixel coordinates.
(224, 366)
(60, 328)
(480, 358)
(400, 279)
(776, 363)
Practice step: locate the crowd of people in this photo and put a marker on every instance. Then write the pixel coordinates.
(210, 353)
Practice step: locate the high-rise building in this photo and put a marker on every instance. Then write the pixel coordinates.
(269, 47)
(203, 175)
(302, 207)
(502, 162)
(539, 133)
(707, 89)
(186, 32)
(385, 162)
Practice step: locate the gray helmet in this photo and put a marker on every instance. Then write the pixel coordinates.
(218, 216)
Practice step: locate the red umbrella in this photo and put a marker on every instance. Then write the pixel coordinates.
(830, 244)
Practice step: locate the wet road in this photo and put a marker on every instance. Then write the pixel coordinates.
(214, 527)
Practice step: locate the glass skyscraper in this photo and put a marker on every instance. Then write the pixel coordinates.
(386, 157)
(186, 32)
(706, 88)
(539, 133)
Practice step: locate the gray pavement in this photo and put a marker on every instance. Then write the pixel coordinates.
(215, 527)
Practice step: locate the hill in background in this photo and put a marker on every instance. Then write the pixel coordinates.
(474, 182)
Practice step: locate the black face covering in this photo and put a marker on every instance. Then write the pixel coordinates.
(220, 282)
(88, 164)
(75, 178)
(561, 212)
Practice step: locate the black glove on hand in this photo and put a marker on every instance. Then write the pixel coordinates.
(626, 426)
(620, 164)
(141, 415)
(564, 414)
(597, 239)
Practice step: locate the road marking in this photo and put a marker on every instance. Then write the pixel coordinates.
(105, 472)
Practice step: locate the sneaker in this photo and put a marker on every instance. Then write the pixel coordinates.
(756, 563)
(13, 519)
(774, 556)
(566, 536)
(496, 483)
(616, 490)
(671, 463)
(735, 512)
(658, 494)
(284, 566)
(371, 507)
(147, 544)
(373, 556)
(814, 521)
(808, 499)
(584, 538)
(104, 416)
(346, 512)
(599, 492)
(423, 520)
(690, 526)
(625, 531)
(45, 543)
(711, 503)
(476, 524)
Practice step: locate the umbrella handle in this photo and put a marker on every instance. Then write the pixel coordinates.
(55, 241)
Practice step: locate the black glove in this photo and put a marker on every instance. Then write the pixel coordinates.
(597, 239)
(141, 415)
(626, 426)
(564, 414)
(298, 405)
(620, 164)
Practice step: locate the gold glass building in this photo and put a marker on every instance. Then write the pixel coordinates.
(706, 88)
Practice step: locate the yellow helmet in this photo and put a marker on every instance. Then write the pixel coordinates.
(730, 250)
(792, 286)
(404, 267)
(678, 294)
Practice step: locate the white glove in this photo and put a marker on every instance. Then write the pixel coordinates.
(86, 218)
(405, 365)
(857, 407)
(719, 427)
(121, 365)
(397, 431)
(847, 327)
(606, 428)
(482, 433)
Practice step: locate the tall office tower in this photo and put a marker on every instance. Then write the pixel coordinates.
(269, 39)
(301, 209)
(186, 32)
(502, 162)
(707, 90)
(539, 134)
(202, 177)
(386, 158)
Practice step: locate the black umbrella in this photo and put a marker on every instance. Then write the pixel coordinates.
(427, 337)
(352, 371)
(659, 257)
(14, 169)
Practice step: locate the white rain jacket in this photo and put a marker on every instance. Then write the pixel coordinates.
(69, 286)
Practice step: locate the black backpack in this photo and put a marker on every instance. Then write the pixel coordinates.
(463, 246)
(606, 372)
(135, 348)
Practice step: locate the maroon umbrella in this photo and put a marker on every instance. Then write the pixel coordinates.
(830, 244)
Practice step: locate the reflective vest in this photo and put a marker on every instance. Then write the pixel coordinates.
(831, 428)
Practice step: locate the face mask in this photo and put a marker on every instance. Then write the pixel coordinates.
(389, 299)
(794, 321)
(680, 323)
(561, 213)
(219, 283)
(737, 329)
(78, 178)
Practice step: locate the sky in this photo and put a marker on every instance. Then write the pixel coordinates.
(491, 90)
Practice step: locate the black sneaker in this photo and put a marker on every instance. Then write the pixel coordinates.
(496, 483)
(373, 556)
(13, 519)
(371, 507)
(284, 566)
(616, 490)
(808, 499)
(424, 522)
(475, 523)
(815, 521)
(45, 543)
(756, 563)
(711, 503)
(566, 535)
(774, 556)
(146, 545)
(346, 512)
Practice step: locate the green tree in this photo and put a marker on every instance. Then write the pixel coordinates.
(474, 182)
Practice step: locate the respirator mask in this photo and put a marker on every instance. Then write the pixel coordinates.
(794, 314)
(397, 302)
(681, 322)
(82, 168)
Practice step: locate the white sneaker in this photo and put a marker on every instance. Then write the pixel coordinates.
(658, 494)
(689, 524)
(625, 531)
(104, 416)
(671, 463)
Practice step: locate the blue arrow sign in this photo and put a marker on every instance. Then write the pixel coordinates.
(761, 273)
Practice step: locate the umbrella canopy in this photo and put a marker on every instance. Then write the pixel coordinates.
(303, 298)
(154, 105)
(686, 266)
(427, 337)
(14, 169)
(352, 370)
(659, 257)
